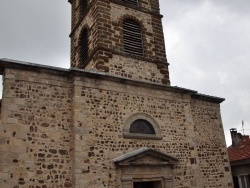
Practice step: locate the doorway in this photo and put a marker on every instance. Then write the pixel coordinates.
(147, 184)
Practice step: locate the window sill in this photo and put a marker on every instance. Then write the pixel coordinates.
(142, 136)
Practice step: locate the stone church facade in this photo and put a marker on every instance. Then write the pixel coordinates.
(112, 120)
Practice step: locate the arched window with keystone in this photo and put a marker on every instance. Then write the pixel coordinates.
(132, 37)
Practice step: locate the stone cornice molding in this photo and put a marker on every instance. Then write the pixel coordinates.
(20, 65)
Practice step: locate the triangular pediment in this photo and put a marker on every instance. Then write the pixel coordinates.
(145, 156)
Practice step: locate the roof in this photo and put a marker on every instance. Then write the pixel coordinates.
(241, 151)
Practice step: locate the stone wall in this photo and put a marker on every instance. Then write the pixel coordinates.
(35, 131)
(64, 128)
(129, 67)
(210, 141)
(102, 107)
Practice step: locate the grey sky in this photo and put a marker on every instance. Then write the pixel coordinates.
(207, 44)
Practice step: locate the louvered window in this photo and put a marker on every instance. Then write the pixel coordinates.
(132, 38)
(131, 2)
(84, 4)
(84, 45)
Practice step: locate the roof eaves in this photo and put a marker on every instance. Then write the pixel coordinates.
(207, 98)
(5, 63)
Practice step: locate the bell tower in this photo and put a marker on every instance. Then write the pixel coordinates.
(119, 37)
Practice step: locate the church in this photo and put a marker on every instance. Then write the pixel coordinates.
(112, 120)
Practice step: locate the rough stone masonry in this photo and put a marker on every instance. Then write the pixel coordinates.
(72, 127)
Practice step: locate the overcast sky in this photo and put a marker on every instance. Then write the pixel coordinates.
(207, 43)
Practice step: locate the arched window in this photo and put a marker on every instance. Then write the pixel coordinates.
(132, 37)
(131, 2)
(83, 6)
(84, 48)
(141, 126)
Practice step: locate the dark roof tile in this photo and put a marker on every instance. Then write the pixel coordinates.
(241, 151)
